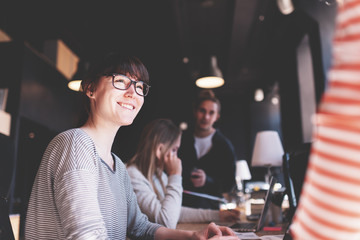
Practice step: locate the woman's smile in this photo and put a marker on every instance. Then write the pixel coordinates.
(127, 105)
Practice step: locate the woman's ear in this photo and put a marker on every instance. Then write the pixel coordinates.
(90, 91)
(90, 94)
(159, 151)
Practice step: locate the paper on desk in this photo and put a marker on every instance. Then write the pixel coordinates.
(253, 236)
(272, 237)
(247, 235)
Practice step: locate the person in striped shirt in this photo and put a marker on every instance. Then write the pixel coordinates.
(329, 203)
(82, 190)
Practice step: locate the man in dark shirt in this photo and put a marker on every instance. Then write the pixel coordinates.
(208, 157)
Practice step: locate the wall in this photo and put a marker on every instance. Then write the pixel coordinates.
(290, 67)
(41, 105)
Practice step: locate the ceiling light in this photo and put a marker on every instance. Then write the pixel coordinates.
(4, 37)
(275, 100)
(75, 85)
(210, 82)
(183, 126)
(75, 82)
(285, 6)
(259, 95)
(211, 75)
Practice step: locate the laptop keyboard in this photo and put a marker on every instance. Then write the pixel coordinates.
(244, 227)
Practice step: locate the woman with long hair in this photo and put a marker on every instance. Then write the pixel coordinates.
(155, 172)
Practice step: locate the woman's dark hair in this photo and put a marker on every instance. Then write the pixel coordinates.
(206, 95)
(114, 63)
(111, 63)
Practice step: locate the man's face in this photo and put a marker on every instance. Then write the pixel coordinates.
(206, 115)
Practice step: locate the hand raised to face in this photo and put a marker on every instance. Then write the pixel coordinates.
(172, 164)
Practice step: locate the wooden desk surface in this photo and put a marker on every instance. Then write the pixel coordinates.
(199, 226)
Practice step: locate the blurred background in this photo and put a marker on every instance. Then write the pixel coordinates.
(260, 46)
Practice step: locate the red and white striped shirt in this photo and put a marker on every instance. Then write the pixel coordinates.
(329, 206)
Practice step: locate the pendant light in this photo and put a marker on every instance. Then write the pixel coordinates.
(211, 75)
(75, 82)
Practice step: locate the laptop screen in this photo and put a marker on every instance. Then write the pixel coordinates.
(290, 191)
(267, 203)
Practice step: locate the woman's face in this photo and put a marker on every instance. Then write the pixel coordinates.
(109, 104)
(170, 153)
(173, 150)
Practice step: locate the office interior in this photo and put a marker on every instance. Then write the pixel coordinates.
(257, 47)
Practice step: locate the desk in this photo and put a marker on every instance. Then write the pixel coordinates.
(272, 209)
(199, 226)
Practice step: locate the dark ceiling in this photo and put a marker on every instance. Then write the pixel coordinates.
(254, 43)
(239, 32)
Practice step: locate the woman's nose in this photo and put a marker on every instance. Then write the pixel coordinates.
(131, 89)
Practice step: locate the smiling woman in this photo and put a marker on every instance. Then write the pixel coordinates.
(82, 189)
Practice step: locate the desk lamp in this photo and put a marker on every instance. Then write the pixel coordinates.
(242, 173)
(268, 151)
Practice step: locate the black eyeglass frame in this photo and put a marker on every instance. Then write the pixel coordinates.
(113, 75)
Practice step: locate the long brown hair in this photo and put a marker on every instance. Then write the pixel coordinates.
(158, 131)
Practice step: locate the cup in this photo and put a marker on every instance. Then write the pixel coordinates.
(233, 202)
(224, 206)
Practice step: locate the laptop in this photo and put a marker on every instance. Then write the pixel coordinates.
(257, 226)
(290, 190)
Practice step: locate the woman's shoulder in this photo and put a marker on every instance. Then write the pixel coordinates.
(72, 136)
(133, 171)
(75, 140)
(72, 133)
(71, 149)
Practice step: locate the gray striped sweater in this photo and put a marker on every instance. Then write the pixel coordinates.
(77, 196)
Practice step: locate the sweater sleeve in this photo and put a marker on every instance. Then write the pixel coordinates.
(75, 187)
(329, 203)
(139, 226)
(87, 222)
(198, 215)
(165, 211)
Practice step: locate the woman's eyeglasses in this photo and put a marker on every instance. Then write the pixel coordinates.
(123, 82)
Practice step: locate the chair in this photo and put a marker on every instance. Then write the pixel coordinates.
(6, 232)
(6, 174)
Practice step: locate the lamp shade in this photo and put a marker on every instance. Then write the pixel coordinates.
(242, 170)
(75, 82)
(210, 75)
(268, 150)
(75, 85)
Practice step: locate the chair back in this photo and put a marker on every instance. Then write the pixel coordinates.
(6, 232)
